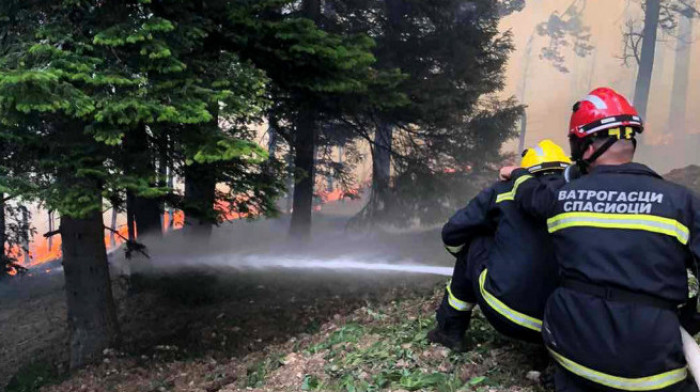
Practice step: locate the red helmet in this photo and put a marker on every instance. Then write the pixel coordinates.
(603, 109)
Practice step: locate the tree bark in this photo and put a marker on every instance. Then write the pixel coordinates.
(381, 166)
(50, 239)
(273, 141)
(200, 191)
(523, 93)
(200, 196)
(304, 147)
(146, 211)
(113, 226)
(163, 165)
(646, 66)
(92, 319)
(289, 181)
(382, 144)
(130, 219)
(3, 234)
(25, 234)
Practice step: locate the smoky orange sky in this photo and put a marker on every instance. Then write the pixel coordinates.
(550, 94)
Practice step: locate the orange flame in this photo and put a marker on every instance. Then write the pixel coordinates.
(40, 253)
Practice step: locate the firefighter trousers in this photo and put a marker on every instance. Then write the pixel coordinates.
(464, 292)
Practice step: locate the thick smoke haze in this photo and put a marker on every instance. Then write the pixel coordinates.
(550, 94)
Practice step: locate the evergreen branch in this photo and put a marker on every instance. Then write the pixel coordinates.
(131, 245)
(50, 234)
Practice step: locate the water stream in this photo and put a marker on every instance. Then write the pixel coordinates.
(261, 262)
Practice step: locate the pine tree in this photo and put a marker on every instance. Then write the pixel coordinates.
(68, 98)
(447, 56)
(331, 73)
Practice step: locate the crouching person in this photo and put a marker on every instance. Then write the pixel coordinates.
(505, 261)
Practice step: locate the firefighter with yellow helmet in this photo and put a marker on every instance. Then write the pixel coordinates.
(505, 262)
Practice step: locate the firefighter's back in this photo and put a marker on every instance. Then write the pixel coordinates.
(620, 235)
(522, 271)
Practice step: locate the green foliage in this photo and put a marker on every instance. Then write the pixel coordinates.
(76, 94)
(227, 149)
(441, 62)
(256, 374)
(310, 383)
(391, 352)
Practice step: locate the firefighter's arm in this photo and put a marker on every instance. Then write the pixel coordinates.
(475, 219)
(536, 196)
(688, 315)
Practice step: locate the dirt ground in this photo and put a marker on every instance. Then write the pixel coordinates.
(187, 313)
(380, 345)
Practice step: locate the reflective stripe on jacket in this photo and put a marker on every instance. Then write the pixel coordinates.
(522, 272)
(619, 226)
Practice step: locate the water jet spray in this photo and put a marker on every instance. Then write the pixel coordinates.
(261, 262)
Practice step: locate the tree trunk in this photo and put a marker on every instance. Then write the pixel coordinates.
(523, 131)
(646, 66)
(163, 165)
(681, 79)
(113, 226)
(381, 166)
(146, 211)
(171, 185)
(200, 188)
(304, 147)
(200, 196)
(273, 141)
(92, 319)
(523, 93)
(130, 219)
(382, 144)
(25, 234)
(50, 239)
(3, 235)
(289, 181)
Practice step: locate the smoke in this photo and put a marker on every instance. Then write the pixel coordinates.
(263, 247)
(671, 134)
(340, 264)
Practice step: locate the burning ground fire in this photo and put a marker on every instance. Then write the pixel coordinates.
(43, 251)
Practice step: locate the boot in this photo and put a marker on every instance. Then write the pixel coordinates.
(453, 340)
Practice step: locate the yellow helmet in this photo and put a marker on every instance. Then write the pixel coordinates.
(547, 155)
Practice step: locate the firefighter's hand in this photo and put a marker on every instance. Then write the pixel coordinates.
(505, 173)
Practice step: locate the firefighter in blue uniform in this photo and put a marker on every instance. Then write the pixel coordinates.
(505, 262)
(623, 238)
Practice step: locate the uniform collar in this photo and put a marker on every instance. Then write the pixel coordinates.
(627, 168)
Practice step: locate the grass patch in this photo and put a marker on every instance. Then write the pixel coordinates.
(385, 347)
(392, 352)
(256, 374)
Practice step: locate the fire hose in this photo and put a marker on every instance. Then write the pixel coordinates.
(692, 355)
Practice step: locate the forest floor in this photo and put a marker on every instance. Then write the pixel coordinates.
(221, 330)
(191, 339)
(368, 345)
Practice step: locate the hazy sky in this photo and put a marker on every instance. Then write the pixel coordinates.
(550, 94)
